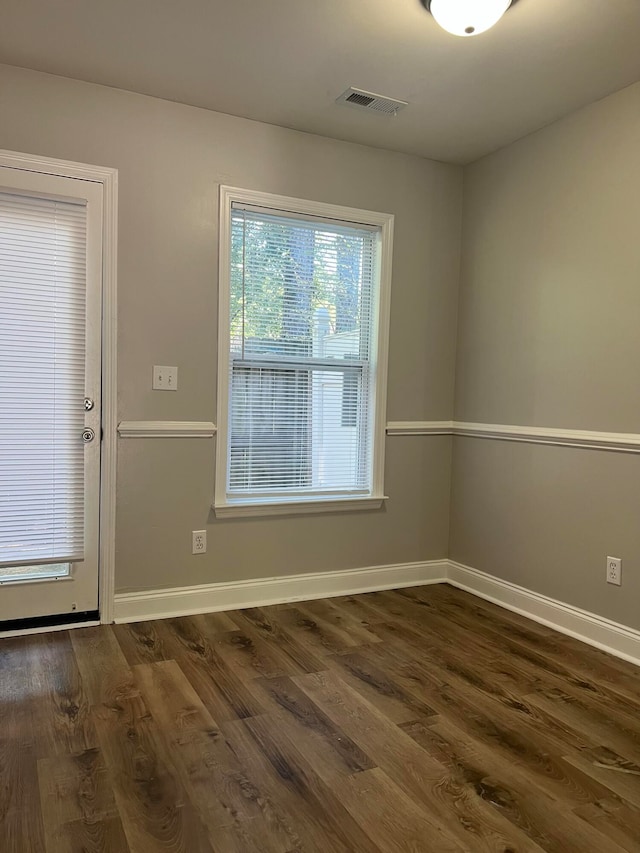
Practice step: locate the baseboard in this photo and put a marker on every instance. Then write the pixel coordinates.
(611, 637)
(207, 598)
(595, 630)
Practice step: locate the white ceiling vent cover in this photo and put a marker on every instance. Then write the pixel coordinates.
(368, 101)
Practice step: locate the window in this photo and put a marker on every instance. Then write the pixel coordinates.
(304, 293)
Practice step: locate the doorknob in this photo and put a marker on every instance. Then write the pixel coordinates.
(88, 404)
(88, 434)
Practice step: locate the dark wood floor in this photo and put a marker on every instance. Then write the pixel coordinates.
(417, 720)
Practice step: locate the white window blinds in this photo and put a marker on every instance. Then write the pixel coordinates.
(42, 379)
(302, 297)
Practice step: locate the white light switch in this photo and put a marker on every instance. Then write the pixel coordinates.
(165, 378)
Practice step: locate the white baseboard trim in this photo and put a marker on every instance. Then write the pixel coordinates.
(611, 637)
(208, 598)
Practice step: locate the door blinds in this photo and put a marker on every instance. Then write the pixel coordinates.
(42, 379)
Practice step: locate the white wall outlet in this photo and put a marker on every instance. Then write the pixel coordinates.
(165, 378)
(614, 570)
(198, 541)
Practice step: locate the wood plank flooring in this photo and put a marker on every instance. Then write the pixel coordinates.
(394, 722)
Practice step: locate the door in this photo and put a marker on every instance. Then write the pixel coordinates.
(50, 357)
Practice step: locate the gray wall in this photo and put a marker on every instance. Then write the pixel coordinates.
(549, 308)
(171, 159)
(549, 336)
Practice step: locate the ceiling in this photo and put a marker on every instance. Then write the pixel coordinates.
(286, 61)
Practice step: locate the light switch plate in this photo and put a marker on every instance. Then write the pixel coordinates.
(165, 378)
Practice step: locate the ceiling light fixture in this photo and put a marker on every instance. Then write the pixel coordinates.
(467, 17)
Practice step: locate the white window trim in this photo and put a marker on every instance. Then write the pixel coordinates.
(251, 506)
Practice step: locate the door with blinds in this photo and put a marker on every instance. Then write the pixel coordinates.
(50, 356)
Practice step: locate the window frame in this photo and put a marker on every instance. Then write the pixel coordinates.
(251, 506)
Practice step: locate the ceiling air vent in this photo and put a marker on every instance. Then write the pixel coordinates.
(369, 101)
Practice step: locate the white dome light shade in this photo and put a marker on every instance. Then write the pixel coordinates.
(468, 17)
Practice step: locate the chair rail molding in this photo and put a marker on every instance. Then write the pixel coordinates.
(622, 442)
(166, 429)
(590, 439)
(419, 427)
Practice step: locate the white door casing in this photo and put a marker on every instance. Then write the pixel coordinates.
(90, 586)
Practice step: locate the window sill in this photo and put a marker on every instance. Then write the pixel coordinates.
(299, 507)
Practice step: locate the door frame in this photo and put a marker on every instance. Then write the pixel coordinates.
(108, 177)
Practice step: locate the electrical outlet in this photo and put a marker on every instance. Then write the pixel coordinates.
(614, 570)
(164, 378)
(198, 541)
